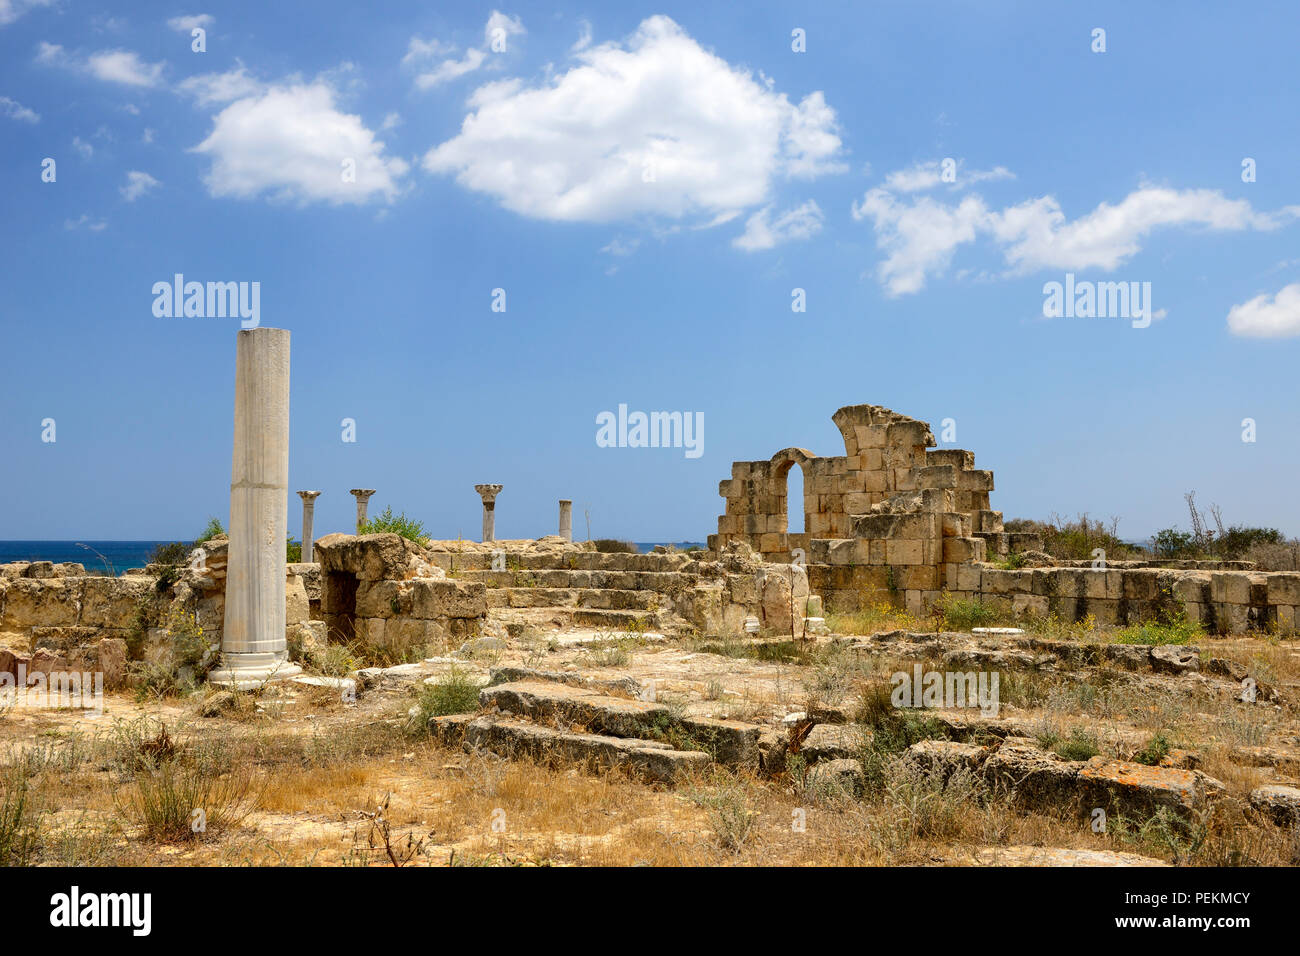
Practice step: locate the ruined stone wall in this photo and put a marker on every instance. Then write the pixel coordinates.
(885, 457)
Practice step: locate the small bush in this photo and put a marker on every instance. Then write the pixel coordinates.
(1076, 540)
(614, 546)
(961, 614)
(1173, 628)
(1080, 745)
(389, 523)
(183, 796)
(1156, 749)
(455, 693)
(19, 821)
(210, 531)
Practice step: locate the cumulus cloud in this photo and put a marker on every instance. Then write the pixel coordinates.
(292, 141)
(920, 234)
(762, 232)
(1268, 317)
(82, 147)
(209, 89)
(496, 33)
(138, 184)
(124, 67)
(188, 23)
(11, 10)
(657, 126)
(15, 110)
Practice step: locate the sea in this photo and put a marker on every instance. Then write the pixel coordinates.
(114, 557)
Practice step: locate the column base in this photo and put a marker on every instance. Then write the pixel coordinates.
(251, 671)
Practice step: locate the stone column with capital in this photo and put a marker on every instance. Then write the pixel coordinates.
(489, 495)
(252, 641)
(566, 519)
(308, 511)
(363, 498)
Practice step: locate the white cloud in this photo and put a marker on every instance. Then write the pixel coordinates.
(147, 135)
(499, 27)
(391, 121)
(85, 222)
(496, 32)
(112, 66)
(801, 222)
(928, 175)
(209, 89)
(919, 235)
(621, 247)
(11, 10)
(1268, 317)
(658, 126)
(137, 185)
(82, 147)
(451, 69)
(125, 67)
(292, 142)
(15, 110)
(188, 23)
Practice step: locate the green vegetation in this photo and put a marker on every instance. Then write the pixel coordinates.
(454, 693)
(19, 821)
(1156, 749)
(1172, 627)
(962, 614)
(183, 794)
(388, 523)
(615, 546)
(1076, 540)
(1080, 745)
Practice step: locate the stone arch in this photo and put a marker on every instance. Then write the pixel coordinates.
(780, 465)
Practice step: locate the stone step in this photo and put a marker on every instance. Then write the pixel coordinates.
(517, 620)
(661, 581)
(730, 742)
(511, 737)
(607, 600)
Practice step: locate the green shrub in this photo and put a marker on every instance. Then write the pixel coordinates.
(1080, 745)
(181, 796)
(388, 523)
(615, 546)
(19, 821)
(1172, 628)
(1075, 540)
(455, 693)
(962, 614)
(1156, 749)
(210, 531)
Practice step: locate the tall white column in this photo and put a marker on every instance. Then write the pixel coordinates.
(308, 512)
(489, 495)
(252, 641)
(566, 519)
(363, 498)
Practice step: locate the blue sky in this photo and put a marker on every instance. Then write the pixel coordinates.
(648, 184)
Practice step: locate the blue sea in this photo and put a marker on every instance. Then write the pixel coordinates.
(105, 557)
(114, 557)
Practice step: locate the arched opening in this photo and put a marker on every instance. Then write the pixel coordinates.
(794, 499)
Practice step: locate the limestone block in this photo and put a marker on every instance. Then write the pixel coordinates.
(960, 550)
(969, 578)
(1139, 584)
(41, 602)
(936, 476)
(111, 602)
(1230, 587)
(840, 551)
(1283, 587)
(448, 598)
(975, 480)
(904, 551)
(918, 577)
